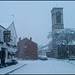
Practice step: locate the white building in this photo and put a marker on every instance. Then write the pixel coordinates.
(43, 51)
(8, 48)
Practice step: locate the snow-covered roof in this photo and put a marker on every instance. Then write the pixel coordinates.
(12, 29)
(60, 30)
(3, 27)
(72, 43)
(45, 47)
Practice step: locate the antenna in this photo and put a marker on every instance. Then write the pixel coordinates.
(56, 5)
(13, 17)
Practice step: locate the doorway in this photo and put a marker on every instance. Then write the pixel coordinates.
(3, 54)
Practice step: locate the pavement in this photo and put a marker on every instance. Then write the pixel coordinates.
(15, 69)
(10, 69)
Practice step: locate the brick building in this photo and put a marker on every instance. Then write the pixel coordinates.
(27, 49)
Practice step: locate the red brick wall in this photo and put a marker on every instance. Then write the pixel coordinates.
(30, 51)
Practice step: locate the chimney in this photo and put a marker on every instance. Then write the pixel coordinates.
(19, 38)
(30, 38)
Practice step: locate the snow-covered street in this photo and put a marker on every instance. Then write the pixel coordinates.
(51, 66)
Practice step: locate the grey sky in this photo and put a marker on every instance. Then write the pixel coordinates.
(33, 18)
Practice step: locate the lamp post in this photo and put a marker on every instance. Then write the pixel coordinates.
(68, 54)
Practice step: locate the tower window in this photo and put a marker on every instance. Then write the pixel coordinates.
(58, 17)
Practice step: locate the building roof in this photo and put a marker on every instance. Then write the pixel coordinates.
(12, 25)
(45, 47)
(3, 27)
(72, 43)
(26, 39)
(56, 8)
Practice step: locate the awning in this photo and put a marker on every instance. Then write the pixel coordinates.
(11, 53)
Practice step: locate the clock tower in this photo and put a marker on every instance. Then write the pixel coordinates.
(57, 19)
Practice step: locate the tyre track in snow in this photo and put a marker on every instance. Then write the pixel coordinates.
(71, 63)
(15, 69)
(68, 62)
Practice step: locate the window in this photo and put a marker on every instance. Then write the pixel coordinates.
(0, 54)
(7, 36)
(58, 17)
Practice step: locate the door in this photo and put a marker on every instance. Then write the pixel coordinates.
(3, 56)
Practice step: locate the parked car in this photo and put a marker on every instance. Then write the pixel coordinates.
(42, 57)
(72, 58)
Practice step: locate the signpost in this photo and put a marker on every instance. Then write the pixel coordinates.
(7, 35)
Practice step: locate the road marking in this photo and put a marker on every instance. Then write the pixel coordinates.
(15, 69)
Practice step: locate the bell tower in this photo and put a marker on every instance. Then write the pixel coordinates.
(57, 19)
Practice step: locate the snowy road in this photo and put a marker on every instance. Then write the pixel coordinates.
(51, 66)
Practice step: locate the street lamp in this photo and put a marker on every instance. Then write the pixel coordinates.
(68, 53)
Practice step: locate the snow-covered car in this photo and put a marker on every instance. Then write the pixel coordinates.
(72, 58)
(43, 57)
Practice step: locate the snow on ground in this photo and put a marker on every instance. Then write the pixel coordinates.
(10, 68)
(50, 66)
(72, 62)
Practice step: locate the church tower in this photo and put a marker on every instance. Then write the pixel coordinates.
(57, 19)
